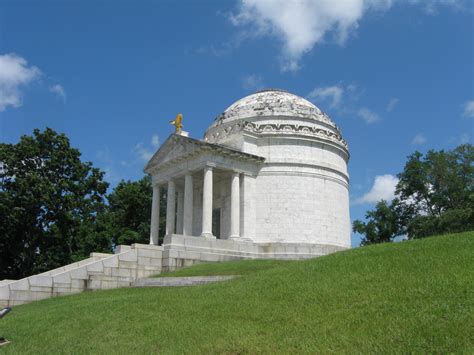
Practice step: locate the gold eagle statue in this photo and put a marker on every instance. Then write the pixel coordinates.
(177, 123)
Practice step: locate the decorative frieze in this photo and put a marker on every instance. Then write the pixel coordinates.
(218, 133)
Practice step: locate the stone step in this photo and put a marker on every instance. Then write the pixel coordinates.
(180, 281)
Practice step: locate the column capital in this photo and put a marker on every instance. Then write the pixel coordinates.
(210, 165)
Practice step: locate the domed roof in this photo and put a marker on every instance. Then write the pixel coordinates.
(272, 102)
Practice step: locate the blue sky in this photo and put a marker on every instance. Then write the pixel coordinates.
(395, 75)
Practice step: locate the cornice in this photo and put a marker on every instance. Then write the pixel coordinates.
(265, 129)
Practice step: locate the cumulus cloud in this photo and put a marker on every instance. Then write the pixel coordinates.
(392, 104)
(469, 109)
(419, 139)
(252, 82)
(367, 115)
(332, 94)
(382, 189)
(58, 90)
(15, 74)
(301, 24)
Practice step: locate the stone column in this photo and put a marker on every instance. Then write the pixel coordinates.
(235, 206)
(248, 208)
(188, 205)
(207, 204)
(170, 208)
(179, 217)
(155, 216)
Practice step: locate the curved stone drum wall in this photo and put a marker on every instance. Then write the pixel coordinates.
(302, 190)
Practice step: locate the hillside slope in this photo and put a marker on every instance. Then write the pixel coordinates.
(415, 296)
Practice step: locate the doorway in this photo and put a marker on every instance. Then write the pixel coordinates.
(216, 223)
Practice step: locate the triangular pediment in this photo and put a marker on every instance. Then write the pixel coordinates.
(176, 147)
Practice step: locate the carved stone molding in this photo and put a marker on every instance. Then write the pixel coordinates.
(274, 129)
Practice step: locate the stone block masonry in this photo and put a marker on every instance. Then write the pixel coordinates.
(138, 261)
(100, 271)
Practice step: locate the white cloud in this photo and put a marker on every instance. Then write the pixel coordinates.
(469, 109)
(252, 82)
(301, 24)
(419, 139)
(58, 90)
(14, 74)
(143, 152)
(392, 104)
(155, 141)
(367, 115)
(332, 94)
(432, 7)
(382, 189)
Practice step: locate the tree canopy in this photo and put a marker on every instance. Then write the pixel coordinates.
(48, 197)
(128, 214)
(434, 195)
(54, 208)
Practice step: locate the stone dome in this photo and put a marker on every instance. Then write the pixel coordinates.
(272, 103)
(273, 112)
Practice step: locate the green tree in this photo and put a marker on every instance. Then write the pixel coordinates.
(127, 217)
(49, 201)
(435, 195)
(383, 224)
(438, 182)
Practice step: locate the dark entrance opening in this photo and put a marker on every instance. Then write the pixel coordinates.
(216, 222)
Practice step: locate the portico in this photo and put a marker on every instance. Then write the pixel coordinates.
(203, 183)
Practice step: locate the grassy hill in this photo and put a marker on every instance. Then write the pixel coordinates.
(415, 296)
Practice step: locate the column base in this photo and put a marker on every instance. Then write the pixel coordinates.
(208, 236)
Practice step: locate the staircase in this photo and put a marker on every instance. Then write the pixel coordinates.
(100, 271)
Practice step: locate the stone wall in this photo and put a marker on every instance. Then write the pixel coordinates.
(180, 251)
(294, 206)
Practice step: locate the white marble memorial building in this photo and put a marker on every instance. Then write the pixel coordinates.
(270, 177)
(269, 180)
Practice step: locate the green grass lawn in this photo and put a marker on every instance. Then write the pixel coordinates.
(237, 267)
(415, 296)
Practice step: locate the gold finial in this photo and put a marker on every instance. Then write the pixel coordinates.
(177, 123)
